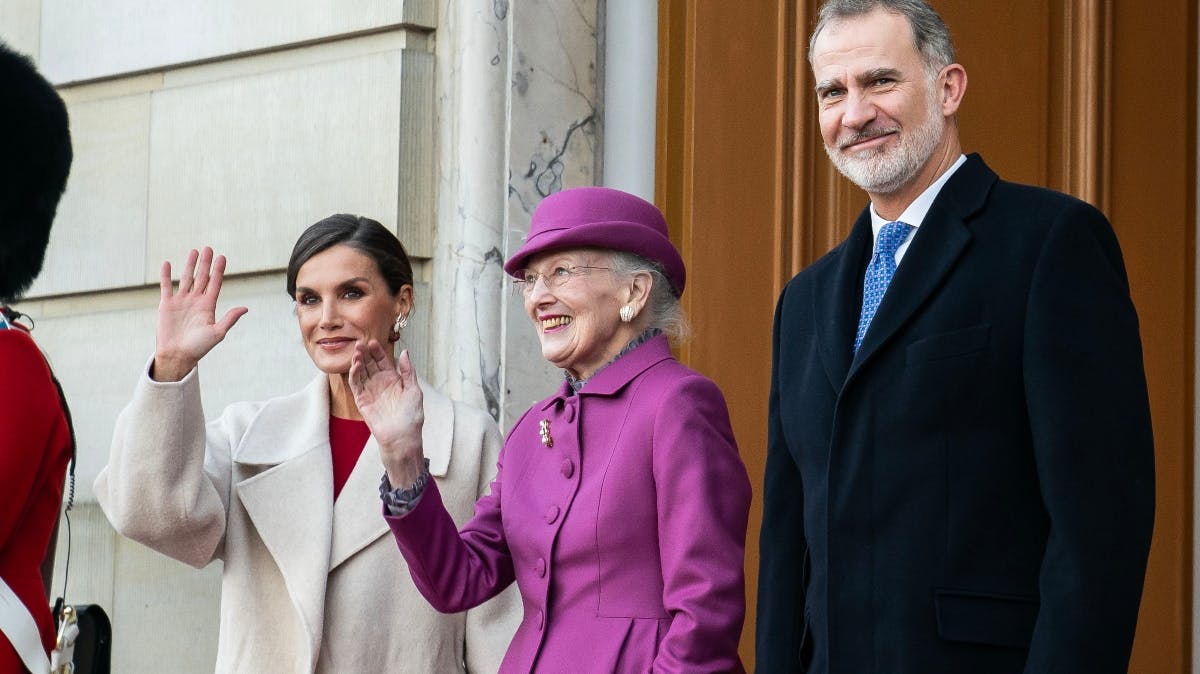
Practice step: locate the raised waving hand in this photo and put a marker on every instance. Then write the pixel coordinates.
(390, 401)
(187, 325)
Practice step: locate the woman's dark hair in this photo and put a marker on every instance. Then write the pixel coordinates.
(35, 157)
(362, 234)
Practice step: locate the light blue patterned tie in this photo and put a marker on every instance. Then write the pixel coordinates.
(879, 274)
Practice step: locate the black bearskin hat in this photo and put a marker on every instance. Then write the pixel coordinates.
(35, 156)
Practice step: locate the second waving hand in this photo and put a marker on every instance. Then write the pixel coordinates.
(390, 401)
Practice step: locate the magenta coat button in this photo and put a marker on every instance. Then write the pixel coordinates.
(568, 468)
(552, 515)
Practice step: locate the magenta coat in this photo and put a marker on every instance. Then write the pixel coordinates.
(628, 554)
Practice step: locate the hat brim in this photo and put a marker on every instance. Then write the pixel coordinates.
(630, 237)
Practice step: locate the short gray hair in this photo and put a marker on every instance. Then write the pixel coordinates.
(666, 314)
(930, 34)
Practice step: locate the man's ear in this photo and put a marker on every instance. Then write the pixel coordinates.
(953, 83)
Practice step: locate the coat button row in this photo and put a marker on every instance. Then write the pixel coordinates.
(552, 515)
(540, 567)
(568, 468)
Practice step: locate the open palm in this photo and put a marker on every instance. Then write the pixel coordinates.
(390, 401)
(187, 326)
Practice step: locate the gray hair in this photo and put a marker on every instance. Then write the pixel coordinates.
(930, 34)
(666, 314)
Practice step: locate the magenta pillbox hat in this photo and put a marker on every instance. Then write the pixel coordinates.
(601, 217)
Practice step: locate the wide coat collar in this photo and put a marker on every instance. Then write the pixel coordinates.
(614, 376)
(937, 245)
(289, 497)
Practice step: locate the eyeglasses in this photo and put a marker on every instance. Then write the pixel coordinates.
(556, 278)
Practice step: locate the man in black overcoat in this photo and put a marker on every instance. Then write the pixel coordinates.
(960, 474)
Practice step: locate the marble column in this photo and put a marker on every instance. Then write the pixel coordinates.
(472, 94)
(554, 144)
(518, 96)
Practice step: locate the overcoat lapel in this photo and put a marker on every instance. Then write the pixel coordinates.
(930, 256)
(837, 301)
(289, 498)
(937, 245)
(357, 513)
(291, 501)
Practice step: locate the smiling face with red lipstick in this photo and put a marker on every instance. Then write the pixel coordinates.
(341, 298)
(575, 300)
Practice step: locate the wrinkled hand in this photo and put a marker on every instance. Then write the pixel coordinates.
(390, 400)
(187, 326)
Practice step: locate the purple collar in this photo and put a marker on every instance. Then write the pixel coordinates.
(613, 377)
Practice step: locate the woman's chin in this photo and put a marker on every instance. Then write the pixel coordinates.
(556, 357)
(332, 366)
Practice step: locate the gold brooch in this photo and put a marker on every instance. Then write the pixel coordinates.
(544, 431)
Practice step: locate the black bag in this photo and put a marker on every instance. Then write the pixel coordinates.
(93, 646)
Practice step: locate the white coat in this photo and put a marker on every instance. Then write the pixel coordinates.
(309, 584)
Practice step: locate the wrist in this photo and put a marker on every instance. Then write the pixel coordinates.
(400, 501)
(406, 470)
(170, 368)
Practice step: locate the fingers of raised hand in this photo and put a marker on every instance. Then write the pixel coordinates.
(203, 270)
(202, 274)
(363, 356)
(186, 279)
(377, 357)
(358, 373)
(216, 276)
(408, 376)
(164, 281)
(230, 318)
(405, 369)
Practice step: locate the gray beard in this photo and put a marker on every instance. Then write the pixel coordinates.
(885, 171)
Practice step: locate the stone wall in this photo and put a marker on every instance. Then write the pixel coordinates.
(237, 123)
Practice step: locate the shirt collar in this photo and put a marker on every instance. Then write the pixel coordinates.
(915, 213)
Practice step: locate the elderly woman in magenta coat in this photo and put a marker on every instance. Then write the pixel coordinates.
(620, 502)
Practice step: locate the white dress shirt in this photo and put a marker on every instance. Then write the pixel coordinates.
(916, 211)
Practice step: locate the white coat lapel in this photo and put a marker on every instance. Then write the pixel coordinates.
(357, 513)
(290, 502)
(437, 436)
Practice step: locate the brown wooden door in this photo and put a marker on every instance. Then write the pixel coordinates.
(1091, 97)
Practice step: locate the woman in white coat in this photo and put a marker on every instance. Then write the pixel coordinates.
(285, 491)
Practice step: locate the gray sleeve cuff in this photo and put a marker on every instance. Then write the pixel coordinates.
(400, 502)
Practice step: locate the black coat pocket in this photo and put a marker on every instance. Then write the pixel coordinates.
(985, 618)
(949, 344)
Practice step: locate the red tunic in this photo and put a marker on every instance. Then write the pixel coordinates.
(347, 437)
(34, 452)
